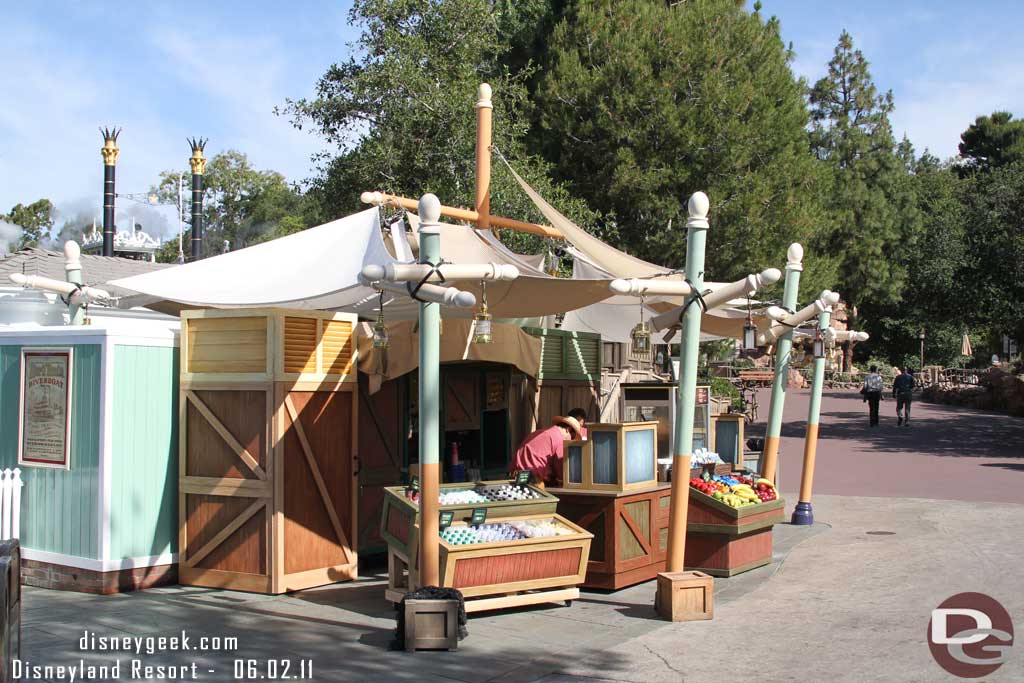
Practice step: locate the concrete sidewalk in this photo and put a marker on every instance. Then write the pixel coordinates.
(838, 603)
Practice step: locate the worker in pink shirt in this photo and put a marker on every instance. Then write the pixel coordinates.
(541, 452)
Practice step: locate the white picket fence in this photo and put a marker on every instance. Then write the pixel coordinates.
(10, 503)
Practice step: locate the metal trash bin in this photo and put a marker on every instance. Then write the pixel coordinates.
(10, 607)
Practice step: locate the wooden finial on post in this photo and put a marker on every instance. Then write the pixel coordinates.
(484, 109)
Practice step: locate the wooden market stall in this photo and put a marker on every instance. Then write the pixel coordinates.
(490, 575)
(268, 424)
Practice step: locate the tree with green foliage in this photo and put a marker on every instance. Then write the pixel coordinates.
(35, 221)
(993, 284)
(400, 111)
(643, 103)
(991, 142)
(932, 297)
(870, 192)
(241, 205)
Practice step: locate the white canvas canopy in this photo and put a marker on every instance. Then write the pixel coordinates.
(319, 268)
(612, 317)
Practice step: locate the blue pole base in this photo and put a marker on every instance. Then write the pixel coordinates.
(803, 515)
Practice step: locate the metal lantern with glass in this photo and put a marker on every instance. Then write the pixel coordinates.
(380, 329)
(640, 336)
(482, 319)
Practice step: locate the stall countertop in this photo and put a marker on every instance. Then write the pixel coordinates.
(608, 494)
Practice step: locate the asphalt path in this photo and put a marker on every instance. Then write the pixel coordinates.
(947, 452)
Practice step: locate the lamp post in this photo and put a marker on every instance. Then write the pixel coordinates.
(922, 335)
(770, 455)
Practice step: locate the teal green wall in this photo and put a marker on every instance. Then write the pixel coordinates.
(144, 481)
(59, 507)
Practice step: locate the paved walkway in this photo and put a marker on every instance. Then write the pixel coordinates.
(847, 599)
(947, 452)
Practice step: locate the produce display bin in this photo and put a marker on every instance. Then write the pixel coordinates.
(511, 573)
(400, 516)
(724, 541)
(614, 457)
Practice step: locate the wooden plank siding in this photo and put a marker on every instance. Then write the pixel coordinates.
(60, 508)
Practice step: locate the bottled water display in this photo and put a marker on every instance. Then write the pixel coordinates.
(503, 531)
(481, 494)
(460, 497)
(507, 492)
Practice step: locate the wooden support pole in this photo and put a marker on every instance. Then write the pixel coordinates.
(804, 513)
(467, 215)
(430, 400)
(484, 109)
(773, 431)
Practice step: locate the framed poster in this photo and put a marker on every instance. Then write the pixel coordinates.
(44, 419)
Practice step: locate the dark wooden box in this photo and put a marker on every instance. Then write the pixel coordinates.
(431, 625)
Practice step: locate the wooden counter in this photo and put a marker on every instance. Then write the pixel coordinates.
(630, 532)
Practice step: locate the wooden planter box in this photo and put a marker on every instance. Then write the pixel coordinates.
(400, 516)
(268, 426)
(630, 531)
(614, 457)
(507, 574)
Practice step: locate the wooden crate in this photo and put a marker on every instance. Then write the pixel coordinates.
(614, 457)
(506, 574)
(399, 524)
(685, 596)
(267, 448)
(630, 531)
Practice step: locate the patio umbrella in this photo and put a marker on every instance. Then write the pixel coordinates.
(965, 346)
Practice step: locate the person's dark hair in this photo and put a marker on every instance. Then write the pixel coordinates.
(874, 368)
(578, 414)
(910, 371)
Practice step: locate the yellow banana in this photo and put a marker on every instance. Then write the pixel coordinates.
(766, 482)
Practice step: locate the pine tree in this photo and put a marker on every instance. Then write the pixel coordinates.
(642, 103)
(871, 199)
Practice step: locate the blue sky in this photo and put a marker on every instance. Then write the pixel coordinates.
(69, 67)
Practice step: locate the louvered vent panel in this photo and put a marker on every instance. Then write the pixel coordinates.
(300, 345)
(338, 347)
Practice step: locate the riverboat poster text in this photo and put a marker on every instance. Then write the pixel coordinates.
(45, 423)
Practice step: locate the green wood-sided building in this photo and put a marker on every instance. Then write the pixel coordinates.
(106, 521)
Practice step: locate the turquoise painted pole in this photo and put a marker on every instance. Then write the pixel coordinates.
(783, 347)
(696, 238)
(430, 397)
(804, 513)
(73, 274)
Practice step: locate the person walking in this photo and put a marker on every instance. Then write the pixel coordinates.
(872, 391)
(903, 391)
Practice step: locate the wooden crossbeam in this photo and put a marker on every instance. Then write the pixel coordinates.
(224, 533)
(228, 437)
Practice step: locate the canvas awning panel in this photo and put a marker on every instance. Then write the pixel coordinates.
(509, 345)
(315, 269)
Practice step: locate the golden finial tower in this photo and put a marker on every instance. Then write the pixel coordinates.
(198, 163)
(110, 153)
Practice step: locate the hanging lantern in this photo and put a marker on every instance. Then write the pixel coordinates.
(749, 331)
(819, 344)
(640, 336)
(482, 320)
(381, 340)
